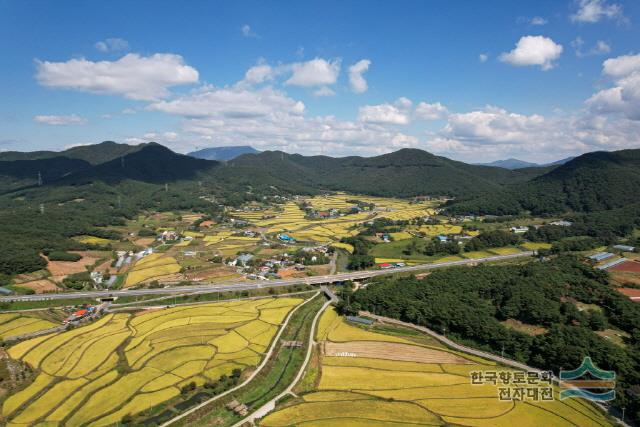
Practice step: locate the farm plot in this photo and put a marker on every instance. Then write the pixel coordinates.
(291, 218)
(125, 364)
(150, 267)
(40, 286)
(14, 324)
(374, 379)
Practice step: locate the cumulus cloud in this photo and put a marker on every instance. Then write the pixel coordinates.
(493, 132)
(533, 50)
(483, 57)
(316, 72)
(592, 11)
(132, 76)
(396, 114)
(231, 102)
(622, 65)
(435, 111)
(493, 124)
(60, 120)
(624, 96)
(356, 80)
(324, 91)
(259, 73)
(112, 45)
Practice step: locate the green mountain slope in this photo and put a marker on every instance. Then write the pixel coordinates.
(407, 172)
(93, 154)
(592, 182)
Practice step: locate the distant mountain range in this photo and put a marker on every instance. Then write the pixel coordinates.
(223, 153)
(591, 182)
(521, 164)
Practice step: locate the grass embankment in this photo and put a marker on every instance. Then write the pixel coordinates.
(277, 374)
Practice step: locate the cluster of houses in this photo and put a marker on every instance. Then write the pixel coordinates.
(268, 269)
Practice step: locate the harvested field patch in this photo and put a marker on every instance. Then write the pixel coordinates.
(393, 351)
(40, 286)
(64, 268)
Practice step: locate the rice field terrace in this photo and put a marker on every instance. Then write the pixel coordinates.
(20, 324)
(124, 364)
(292, 219)
(368, 378)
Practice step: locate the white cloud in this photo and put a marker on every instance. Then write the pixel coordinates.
(316, 72)
(403, 103)
(324, 91)
(493, 124)
(592, 11)
(60, 120)
(624, 96)
(259, 73)
(132, 76)
(483, 57)
(435, 111)
(538, 20)
(112, 45)
(493, 133)
(247, 32)
(356, 80)
(600, 48)
(385, 113)
(533, 50)
(622, 65)
(231, 102)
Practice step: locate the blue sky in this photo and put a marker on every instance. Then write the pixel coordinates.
(475, 81)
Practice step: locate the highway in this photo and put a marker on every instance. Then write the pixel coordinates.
(241, 286)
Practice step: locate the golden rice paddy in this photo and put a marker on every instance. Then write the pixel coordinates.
(80, 379)
(150, 267)
(15, 324)
(373, 379)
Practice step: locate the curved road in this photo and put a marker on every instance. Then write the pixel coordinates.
(241, 286)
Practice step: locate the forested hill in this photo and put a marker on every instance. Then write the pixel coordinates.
(404, 173)
(477, 310)
(592, 182)
(93, 154)
(407, 172)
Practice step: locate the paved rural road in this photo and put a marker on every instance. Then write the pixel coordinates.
(271, 405)
(266, 358)
(240, 286)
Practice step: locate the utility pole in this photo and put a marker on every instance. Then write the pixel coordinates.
(42, 208)
(39, 179)
(119, 202)
(166, 187)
